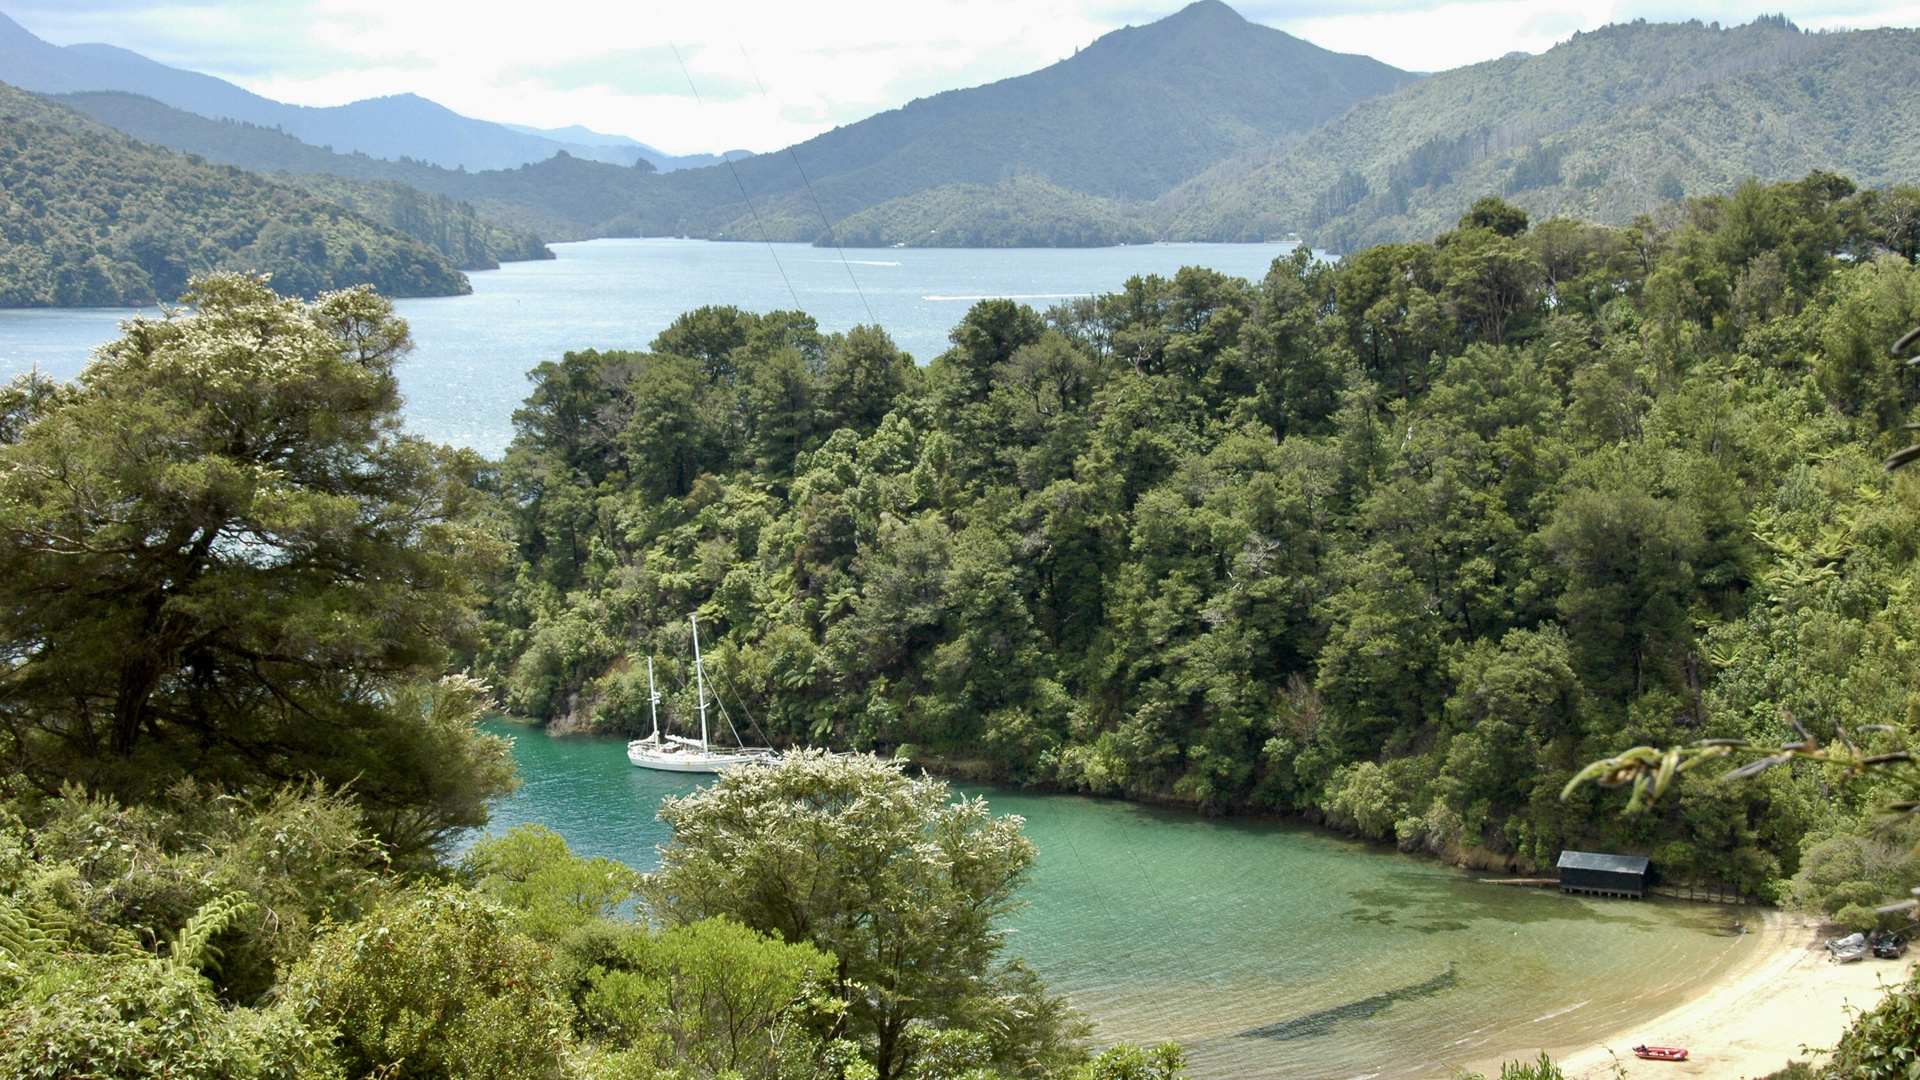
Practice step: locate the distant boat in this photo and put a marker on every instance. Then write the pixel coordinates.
(1661, 1053)
(676, 753)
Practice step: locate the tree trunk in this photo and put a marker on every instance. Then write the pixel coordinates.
(139, 675)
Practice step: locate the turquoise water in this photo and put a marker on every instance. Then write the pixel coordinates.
(468, 371)
(1270, 950)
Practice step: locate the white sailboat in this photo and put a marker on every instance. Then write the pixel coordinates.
(675, 753)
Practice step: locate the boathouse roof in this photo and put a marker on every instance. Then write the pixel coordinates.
(1618, 864)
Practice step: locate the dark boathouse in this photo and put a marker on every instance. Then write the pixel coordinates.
(1603, 875)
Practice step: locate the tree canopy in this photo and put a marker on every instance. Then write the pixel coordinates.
(889, 875)
(220, 557)
(1400, 543)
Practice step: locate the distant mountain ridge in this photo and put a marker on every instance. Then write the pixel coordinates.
(1132, 114)
(401, 125)
(90, 217)
(1091, 138)
(1200, 126)
(1605, 126)
(383, 190)
(577, 135)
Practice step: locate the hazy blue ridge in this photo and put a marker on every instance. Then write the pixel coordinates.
(374, 187)
(402, 125)
(93, 218)
(582, 141)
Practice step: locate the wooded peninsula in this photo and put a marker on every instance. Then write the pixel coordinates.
(1398, 544)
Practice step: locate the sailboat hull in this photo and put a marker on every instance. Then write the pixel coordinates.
(647, 755)
(677, 753)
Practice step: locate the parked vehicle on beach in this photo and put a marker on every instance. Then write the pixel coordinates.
(1848, 949)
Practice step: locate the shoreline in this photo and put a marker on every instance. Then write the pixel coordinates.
(1785, 995)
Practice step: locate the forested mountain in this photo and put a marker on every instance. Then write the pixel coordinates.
(373, 186)
(561, 198)
(1402, 542)
(1203, 126)
(1022, 212)
(1604, 127)
(403, 125)
(92, 217)
(1126, 118)
(454, 229)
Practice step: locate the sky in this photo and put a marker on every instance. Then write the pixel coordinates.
(762, 74)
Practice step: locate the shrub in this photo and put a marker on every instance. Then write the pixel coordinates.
(436, 984)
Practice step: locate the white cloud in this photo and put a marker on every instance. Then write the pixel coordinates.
(610, 65)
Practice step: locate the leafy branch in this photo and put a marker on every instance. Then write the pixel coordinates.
(1650, 771)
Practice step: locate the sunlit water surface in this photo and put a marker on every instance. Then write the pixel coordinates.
(468, 371)
(1270, 950)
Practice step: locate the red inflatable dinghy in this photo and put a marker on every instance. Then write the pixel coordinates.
(1660, 1053)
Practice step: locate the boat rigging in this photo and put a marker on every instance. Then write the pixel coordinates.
(677, 753)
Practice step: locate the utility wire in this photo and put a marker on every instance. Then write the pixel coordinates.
(751, 209)
(821, 210)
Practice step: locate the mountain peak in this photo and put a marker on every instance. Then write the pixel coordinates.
(1215, 11)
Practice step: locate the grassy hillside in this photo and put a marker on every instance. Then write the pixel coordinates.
(90, 217)
(1017, 213)
(376, 188)
(1606, 126)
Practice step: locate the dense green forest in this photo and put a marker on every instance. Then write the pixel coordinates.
(236, 775)
(1015, 213)
(1398, 543)
(93, 218)
(367, 185)
(1603, 127)
(1401, 542)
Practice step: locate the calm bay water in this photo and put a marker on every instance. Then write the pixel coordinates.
(468, 371)
(1349, 960)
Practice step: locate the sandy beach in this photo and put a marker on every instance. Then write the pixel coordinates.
(1784, 995)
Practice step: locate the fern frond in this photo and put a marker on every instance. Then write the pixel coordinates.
(193, 946)
(22, 934)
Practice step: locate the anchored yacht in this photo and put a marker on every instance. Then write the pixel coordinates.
(677, 753)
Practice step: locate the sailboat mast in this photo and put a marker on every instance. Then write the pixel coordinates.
(653, 700)
(700, 681)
